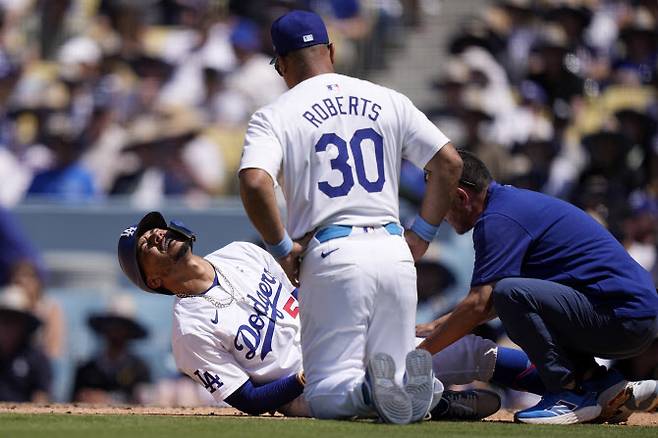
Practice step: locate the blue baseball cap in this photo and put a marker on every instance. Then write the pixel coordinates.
(297, 30)
(127, 249)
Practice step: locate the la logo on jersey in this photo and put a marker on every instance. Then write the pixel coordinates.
(209, 381)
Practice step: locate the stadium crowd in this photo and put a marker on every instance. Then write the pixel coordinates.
(150, 98)
(559, 96)
(146, 98)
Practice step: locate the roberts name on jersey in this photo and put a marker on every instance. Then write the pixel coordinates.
(343, 105)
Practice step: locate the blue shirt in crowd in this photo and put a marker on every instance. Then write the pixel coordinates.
(70, 183)
(526, 234)
(15, 247)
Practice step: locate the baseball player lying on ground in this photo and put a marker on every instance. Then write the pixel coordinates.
(236, 327)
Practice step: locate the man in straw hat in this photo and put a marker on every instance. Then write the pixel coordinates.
(115, 374)
(25, 373)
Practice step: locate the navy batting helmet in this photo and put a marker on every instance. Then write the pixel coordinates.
(127, 248)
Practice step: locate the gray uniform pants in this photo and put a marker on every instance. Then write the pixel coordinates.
(562, 331)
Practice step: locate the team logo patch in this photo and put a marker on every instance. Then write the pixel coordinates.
(308, 38)
(264, 318)
(129, 232)
(209, 380)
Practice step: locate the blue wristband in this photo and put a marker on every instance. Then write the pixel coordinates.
(282, 248)
(424, 229)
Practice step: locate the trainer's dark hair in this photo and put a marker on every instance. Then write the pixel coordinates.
(475, 174)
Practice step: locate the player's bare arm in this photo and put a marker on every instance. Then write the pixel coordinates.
(443, 173)
(472, 311)
(257, 193)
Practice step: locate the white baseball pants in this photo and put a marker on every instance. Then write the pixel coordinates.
(468, 359)
(357, 298)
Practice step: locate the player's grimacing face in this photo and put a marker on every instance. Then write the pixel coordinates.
(158, 249)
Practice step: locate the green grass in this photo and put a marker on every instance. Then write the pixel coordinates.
(141, 426)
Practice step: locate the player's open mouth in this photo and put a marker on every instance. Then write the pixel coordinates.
(166, 240)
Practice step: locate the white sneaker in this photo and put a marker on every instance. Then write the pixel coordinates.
(473, 404)
(419, 383)
(390, 401)
(643, 398)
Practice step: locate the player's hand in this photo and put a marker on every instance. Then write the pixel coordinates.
(290, 263)
(417, 245)
(424, 330)
(301, 377)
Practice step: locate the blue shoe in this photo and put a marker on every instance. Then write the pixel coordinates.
(565, 407)
(389, 400)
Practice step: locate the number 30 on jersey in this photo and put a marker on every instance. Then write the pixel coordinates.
(340, 162)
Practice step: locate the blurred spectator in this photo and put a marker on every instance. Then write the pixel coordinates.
(16, 250)
(547, 68)
(514, 24)
(153, 73)
(92, 68)
(552, 93)
(640, 44)
(103, 138)
(223, 105)
(25, 373)
(253, 76)
(51, 336)
(170, 157)
(15, 176)
(21, 267)
(114, 375)
(65, 178)
(641, 231)
(608, 158)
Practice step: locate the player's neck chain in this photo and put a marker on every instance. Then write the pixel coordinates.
(226, 286)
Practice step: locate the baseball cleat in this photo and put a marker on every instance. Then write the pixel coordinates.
(419, 383)
(390, 401)
(473, 404)
(612, 389)
(643, 398)
(566, 407)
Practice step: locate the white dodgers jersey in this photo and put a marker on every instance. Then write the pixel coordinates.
(256, 337)
(341, 141)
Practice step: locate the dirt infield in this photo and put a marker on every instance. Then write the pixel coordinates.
(641, 419)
